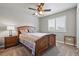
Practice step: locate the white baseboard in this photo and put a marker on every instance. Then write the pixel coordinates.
(59, 41)
(63, 42)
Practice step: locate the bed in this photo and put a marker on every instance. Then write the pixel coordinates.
(36, 42)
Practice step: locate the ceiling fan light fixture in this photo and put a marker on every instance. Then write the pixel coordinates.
(41, 12)
(36, 14)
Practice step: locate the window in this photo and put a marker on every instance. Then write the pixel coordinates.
(51, 25)
(57, 24)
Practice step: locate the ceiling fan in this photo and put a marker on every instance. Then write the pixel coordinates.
(40, 9)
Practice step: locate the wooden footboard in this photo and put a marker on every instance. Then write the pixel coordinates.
(41, 45)
(52, 40)
(44, 43)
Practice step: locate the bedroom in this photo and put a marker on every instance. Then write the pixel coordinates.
(15, 17)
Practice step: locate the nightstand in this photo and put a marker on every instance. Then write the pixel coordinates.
(71, 40)
(10, 41)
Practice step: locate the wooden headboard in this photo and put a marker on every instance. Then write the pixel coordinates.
(23, 28)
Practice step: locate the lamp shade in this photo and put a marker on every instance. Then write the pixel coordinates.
(10, 28)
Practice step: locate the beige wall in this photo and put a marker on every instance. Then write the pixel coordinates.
(70, 23)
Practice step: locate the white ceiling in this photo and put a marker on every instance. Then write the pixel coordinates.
(58, 7)
(55, 7)
(23, 7)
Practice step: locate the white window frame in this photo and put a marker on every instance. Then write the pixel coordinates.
(56, 24)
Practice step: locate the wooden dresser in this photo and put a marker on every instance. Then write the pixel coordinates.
(10, 41)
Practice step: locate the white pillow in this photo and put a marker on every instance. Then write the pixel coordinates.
(31, 29)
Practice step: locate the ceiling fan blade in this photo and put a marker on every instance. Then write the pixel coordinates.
(47, 10)
(32, 8)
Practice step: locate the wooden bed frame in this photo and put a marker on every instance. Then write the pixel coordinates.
(43, 43)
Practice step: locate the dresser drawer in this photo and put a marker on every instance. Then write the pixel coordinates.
(10, 41)
(10, 44)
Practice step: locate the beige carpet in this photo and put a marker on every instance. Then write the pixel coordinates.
(59, 50)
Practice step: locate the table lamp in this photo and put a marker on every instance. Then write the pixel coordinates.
(10, 28)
